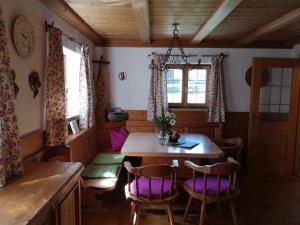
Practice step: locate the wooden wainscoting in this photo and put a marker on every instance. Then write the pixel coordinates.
(187, 122)
(103, 136)
(236, 125)
(32, 145)
(297, 154)
(86, 143)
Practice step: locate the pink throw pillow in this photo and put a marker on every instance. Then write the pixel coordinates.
(118, 138)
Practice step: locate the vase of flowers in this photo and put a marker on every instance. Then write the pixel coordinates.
(164, 123)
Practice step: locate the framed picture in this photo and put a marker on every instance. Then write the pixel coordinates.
(74, 126)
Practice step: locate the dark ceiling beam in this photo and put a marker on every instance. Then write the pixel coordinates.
(62, 9)
(141, 11)
(221, 12)
(274, 25)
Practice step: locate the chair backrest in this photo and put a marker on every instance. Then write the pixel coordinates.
(161, 171)
(228, 170)
(231, 147)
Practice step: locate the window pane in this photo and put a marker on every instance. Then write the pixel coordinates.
(72, 67)
(174, 85)
(197, 86)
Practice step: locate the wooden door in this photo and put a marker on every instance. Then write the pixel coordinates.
(273, 116)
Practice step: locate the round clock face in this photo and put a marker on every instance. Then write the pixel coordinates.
(23, 36)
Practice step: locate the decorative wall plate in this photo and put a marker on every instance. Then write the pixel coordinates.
(23, 36)
(34, 82)
(122, 76)
(264, 78)
(16, 87)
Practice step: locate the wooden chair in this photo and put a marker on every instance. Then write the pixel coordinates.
(232, 147)
(218, 184)
(152, 185)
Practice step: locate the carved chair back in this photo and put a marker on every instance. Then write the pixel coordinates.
(231, 147)
(149, 173)
(224, 173)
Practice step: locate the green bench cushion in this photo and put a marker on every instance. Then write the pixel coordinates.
(104, 158)
(105, 171)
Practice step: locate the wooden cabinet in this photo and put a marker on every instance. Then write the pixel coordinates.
(47, 194)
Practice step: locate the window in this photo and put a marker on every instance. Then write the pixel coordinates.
(187, 88)
(72, 67)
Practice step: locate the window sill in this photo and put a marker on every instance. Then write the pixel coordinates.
(174, 109)
(73, 137)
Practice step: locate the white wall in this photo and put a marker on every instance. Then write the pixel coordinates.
(133, 92)
(31, 111)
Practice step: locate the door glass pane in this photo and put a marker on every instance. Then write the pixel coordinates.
(275, 93)
(174, 85)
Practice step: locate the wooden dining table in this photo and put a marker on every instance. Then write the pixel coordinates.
(146, 146)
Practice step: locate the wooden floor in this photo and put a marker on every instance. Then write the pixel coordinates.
(263, 201)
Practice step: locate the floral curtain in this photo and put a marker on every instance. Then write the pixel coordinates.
(56, 122)
(86, 91)
(10, 155)
(158, 98)
(216, 99)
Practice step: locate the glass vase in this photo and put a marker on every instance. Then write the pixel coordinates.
(163, 138)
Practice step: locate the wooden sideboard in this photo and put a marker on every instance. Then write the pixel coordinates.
(47, 194)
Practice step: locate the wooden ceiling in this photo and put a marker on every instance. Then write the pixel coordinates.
(203, 23)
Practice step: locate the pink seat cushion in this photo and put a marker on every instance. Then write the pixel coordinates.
(211, 185)
(155, 187)
(118, 138)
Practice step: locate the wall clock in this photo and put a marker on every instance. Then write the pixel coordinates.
(23, 36)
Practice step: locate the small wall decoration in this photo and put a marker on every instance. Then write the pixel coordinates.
(265, 77)
(34, 82)
(23, 36)
(122, 76)
(16, 87)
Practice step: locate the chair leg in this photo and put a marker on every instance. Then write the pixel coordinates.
(137, 215)
(233, 212)
(219, 209)
(132, 211)
(187, 208)
(202, 211)
(170, 214)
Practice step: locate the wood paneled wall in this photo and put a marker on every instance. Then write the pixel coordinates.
(32, 144)
(97, 138)
(236, 125)
(84, 145)
(103, 136)
(187, 122)
(297, 154)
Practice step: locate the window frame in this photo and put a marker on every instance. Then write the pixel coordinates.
(184, 93)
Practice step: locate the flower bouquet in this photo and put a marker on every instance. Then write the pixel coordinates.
(164, 123)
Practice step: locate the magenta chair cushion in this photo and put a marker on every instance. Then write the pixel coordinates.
(211, 185)
(155, 187)
(118, 138)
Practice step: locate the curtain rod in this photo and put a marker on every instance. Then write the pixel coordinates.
(221, 54)
(48, 25)
(153, 53)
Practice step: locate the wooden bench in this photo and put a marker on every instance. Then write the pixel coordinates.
(95, 163)
(93, 186)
